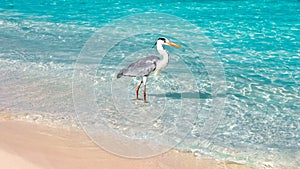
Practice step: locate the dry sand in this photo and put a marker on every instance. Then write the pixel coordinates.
(26, 145)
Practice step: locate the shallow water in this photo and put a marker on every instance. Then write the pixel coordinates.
(257, 43)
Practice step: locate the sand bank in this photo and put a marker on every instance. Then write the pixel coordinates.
(26, 145)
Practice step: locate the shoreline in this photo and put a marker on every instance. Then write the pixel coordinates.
(38, 146)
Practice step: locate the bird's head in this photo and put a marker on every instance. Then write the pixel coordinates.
(165, 41)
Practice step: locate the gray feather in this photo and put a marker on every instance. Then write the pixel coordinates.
(142, 67)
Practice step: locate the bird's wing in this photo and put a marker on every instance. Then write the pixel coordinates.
(142, 67)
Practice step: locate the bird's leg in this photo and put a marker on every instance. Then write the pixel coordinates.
(144, 92)
(137, 90)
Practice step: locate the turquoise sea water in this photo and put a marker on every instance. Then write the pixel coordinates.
(258, 43)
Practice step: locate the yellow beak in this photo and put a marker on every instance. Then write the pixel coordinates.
(174, 45)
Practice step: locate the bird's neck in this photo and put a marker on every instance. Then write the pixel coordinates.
(165, 60)
(163, 52)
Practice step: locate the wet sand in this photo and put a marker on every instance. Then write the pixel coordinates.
(25, 145)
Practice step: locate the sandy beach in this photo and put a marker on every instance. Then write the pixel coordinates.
(26, 145)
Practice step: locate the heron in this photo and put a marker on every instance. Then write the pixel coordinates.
(150, 65)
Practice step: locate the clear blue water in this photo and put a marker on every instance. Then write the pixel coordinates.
(258, 43)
